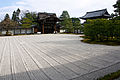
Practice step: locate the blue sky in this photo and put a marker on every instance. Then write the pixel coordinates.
(4, 3)
(76, 8)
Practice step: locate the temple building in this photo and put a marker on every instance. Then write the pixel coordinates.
(47, 23)
(96, 14)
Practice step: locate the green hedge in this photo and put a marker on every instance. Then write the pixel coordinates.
(102, 29)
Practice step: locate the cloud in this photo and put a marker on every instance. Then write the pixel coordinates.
(6, 10)
(21, 3)
(76, 8)
(9, 10)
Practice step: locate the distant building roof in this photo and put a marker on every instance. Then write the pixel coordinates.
(44, 16)
(96, 14)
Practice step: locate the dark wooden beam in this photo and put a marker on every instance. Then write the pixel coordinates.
(55, 28)
(43, 29)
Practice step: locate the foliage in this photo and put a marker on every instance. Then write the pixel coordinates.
(7, 17)
(102, 29)
(68, 25)
(117, 6)
(117, 18)
(26, 23)
(67, 22)
(7, 23)
(65, 15)
(15, 16)
(111, 76)
(77, 24)
(29, 19)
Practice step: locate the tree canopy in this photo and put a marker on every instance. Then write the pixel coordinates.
(67, 22)
(29, 19)
(7, 22)
(102, 29)
(7, 17)
(65, 15)
(117, 6)
(15, 16)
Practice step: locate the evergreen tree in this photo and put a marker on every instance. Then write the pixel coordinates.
(64, 15)
(67, 22)
(117, 6)
(76, 22)
(17, 15)
(18, 12)
(7, 23)
(29, 19)
(6, 17)
(26, 22)
(14, 16)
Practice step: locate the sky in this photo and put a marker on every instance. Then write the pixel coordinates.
(76, 8)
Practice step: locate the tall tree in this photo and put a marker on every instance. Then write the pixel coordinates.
(117, 6)
(26, 22)
(7, 17)
(7, 23)
(29, 19)
(76, 22)
(15, 16)
(67, 21)
(68, 25)
(64, 15)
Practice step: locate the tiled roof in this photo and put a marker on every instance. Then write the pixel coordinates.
(96, 14)
(45, 15)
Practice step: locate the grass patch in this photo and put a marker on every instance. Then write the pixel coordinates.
(111, 76)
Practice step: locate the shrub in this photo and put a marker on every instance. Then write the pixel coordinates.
(102, 29)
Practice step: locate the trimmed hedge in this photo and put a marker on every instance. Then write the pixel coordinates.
(102, 30)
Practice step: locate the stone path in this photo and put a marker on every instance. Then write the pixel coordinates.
(55, 57)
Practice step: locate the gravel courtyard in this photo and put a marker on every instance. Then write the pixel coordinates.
(55, 57)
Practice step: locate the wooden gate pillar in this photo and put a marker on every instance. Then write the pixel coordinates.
(43, 28)
(55, 28)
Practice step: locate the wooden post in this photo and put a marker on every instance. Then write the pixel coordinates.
(43, 28)
(55, 28)
(77, 30)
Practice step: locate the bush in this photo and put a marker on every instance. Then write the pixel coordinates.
(102, 29)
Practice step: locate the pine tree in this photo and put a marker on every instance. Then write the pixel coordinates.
(29, 19)
(67, 22)
(64, 15)
(6, 17)
(17, 15)
(14, 16)
(117, 6)
(7, 22)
